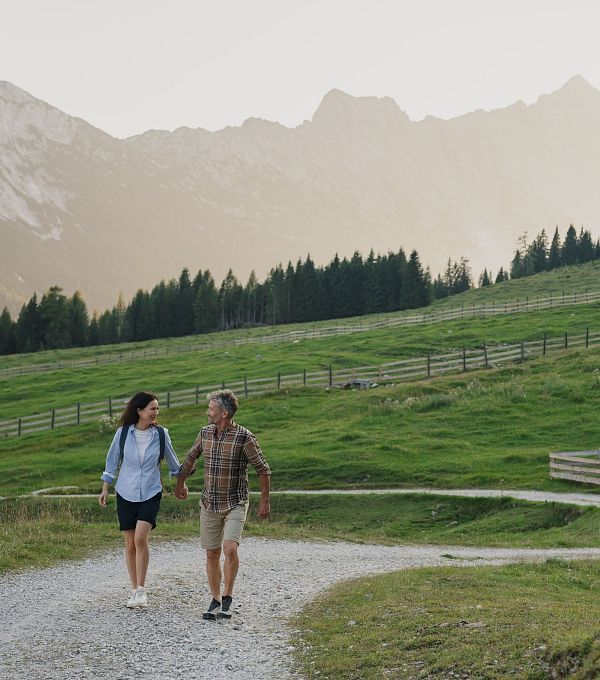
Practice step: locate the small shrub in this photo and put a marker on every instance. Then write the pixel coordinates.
(513, 392)
(436, 401)
(108, 424)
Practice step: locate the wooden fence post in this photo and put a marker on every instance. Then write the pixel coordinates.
(78, 412)
(485, 356)
(429, 364)
(109, 407)
(464, 359)
(168, 400)
(544, 349)
(19, 432)
(304, 378)
(245, 385)
(566, 339)
(330, 376)
(197, 392)
(52, 422)
(522, 351)
(279, 381)
(587, 337)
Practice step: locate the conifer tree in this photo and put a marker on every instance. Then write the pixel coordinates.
(569, 253)
(78, 320)
(28, 331)
(554, 256)
(7, 333)
(585, 247)
(54, 319)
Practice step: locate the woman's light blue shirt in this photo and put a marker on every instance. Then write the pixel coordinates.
(138, 480)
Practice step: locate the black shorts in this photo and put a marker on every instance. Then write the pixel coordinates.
(130, 512)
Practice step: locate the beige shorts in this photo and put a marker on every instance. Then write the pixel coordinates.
(216, 527)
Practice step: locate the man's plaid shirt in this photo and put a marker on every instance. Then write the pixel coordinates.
(226, 459)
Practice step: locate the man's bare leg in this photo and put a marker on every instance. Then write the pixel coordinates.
(230, 566)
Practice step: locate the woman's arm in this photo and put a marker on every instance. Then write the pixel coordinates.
(103, 495)
(110, 468)
(170, 456)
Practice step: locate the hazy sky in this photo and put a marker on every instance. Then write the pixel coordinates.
(130, 65)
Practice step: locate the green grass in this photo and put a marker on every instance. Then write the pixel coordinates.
(521, 621)
(43, 531)
(490, 428)
(39, 393)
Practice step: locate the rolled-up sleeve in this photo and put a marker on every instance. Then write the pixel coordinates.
(254, 454)
(171, 456)
(188, 467)
(112, 459)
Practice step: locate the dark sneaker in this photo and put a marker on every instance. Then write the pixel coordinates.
(214, 609)
(226, 609)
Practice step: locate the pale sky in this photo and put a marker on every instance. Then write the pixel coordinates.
(127, 66)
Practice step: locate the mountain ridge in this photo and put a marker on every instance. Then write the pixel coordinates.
(359, 174)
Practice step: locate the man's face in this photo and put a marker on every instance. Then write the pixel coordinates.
(214, 413)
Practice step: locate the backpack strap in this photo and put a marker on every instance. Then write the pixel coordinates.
(122, 438)
(162, 443)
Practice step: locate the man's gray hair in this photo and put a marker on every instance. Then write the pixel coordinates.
(226, 399)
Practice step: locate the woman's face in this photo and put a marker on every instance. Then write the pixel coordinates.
(149, 414)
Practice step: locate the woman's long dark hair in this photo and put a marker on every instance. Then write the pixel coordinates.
(130, 416)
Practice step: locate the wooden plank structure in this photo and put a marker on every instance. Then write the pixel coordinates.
(578, 466)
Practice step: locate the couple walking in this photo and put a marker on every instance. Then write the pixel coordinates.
(134, 460)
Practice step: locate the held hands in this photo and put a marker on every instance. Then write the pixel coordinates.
(181, 491)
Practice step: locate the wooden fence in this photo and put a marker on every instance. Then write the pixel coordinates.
(578, 466)
(426, 317)
(414, 368)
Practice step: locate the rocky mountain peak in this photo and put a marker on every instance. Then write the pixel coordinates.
(341, 111)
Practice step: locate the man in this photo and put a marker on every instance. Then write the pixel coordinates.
(228, 449)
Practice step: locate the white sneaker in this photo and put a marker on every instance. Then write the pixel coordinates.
(131, 600)
(138, 599)
(141, 599)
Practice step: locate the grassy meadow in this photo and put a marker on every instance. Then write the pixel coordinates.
(40, 392)
(516, 621)
(403, 435)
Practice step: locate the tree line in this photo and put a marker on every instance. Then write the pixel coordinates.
(185, 306)
(300, 293)
(541, 255)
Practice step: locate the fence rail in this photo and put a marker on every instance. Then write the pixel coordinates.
(435, 316)
(577, 466)
(418, 367)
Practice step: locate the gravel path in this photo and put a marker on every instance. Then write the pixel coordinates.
(70, 621)
(573, 498)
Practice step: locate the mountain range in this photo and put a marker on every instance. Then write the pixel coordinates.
(87, 211)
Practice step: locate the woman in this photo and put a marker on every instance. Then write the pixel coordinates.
(135, 456)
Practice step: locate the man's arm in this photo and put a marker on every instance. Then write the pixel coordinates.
(264, 507)
(254, 454)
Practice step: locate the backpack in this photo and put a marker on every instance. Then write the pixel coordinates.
(123, 437)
